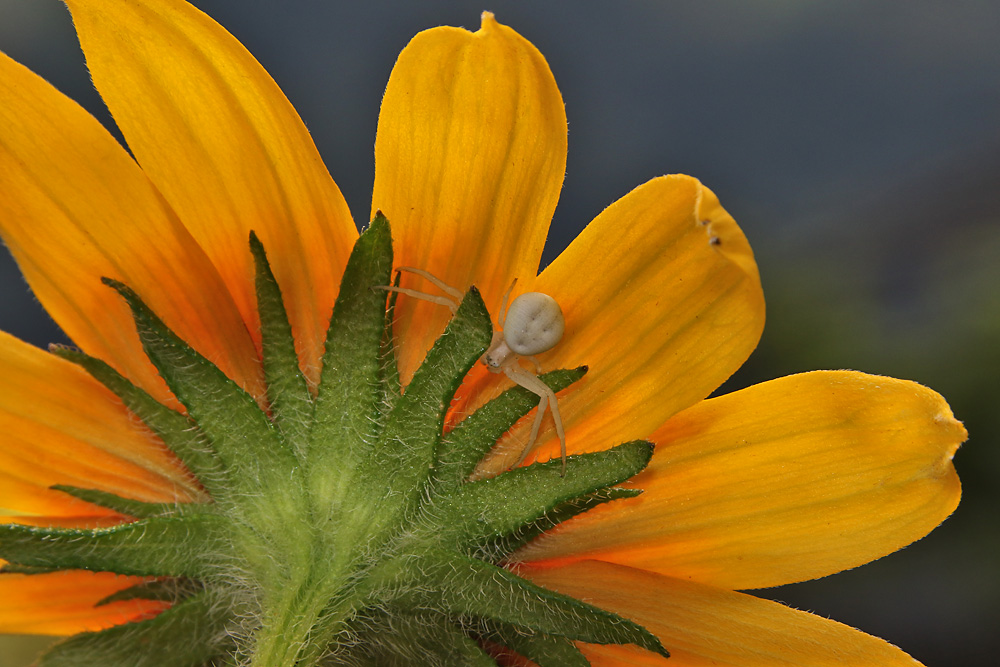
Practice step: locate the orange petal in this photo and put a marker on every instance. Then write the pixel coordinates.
(469, 160)
(662, 301)
(60, 426)
(702, 625)
(788, 480)
(75, 207)
(227, 150)
(62, 603)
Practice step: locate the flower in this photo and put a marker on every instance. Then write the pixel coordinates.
(789, 480)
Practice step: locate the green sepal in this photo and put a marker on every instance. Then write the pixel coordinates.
(473, 437)
(148, 547)
(14, 568)
(547, 650)
(544, 650)
(467, 586)
(402, 639)
(189, 634)
(485, 510)
(249, 445)
(389, 380)
(404, 459)
(130, 507)
(287, 390)
(346, 518)
(178, 432)
(347, 401)
(170, 589)
(496, 550)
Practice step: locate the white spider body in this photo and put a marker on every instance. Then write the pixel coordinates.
(531, 325)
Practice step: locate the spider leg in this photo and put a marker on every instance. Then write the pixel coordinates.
(451, 301)
(503, 303)
(546, 395)
(536, 425)
(533, 359)
(437, 282)
(433, 298)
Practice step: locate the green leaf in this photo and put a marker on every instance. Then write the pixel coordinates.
(239, 430)
(130, 507)
(287, 389)
(348, 398)
(471, 587)
(189, 634)
(477, 434)
(148, 547)
(398, 468)
(180, 434)
(498, 506)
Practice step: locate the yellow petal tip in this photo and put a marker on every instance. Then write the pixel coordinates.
(488, 21)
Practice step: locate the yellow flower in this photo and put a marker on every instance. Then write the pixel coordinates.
(789, 480)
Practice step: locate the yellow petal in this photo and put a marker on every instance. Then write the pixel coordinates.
(62, 603)
(227, 150)
(60, 426)
(469, 160)
(788, 480)
(75, 207)
(662, 301)
(702, 625)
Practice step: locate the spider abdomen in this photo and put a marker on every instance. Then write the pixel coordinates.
(534, 323)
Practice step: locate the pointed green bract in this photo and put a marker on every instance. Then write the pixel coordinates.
(474, 436)
(129, 507)
(544, 650)
(189, 634)
(287, 389)
(407, 638)
(389, 376)
(348, 395)
(340, 527)
(466, 586)
(505, 544)
(148, 547)
(494, 507)
(178, 432)
(251, 448)
(402, 462)
(14, 568)
(173, 589)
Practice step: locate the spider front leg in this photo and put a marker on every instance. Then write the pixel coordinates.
(547, 397)
(454, 294)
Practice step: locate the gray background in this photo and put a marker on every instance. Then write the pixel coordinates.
(856, 142)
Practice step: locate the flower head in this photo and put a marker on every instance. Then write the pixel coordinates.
(255, 475)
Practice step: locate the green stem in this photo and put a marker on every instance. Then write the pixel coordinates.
(286, 626)
(297, 626)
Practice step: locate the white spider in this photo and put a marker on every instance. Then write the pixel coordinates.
(532, 324)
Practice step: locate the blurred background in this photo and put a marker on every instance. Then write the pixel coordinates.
(857, 142)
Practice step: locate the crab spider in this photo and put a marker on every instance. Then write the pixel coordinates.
(531, 324)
